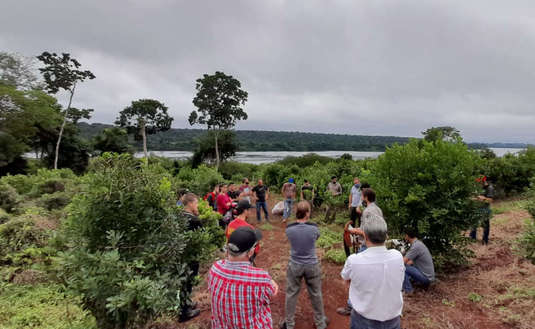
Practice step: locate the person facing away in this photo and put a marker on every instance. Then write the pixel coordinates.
(376, 278)
(261, 193)
(240, 293)
(419, 265)
(245, 190)
(241, 220)
(211, 197)
(191, 213)
(288, 191)
(371, 212)
(303, 264)
(485, 212)
(223, 200)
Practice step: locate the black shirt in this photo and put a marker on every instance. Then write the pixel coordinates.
(233, 194)
(260, 191)
(193, 221)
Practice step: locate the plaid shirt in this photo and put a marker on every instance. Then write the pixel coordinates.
(240, 296)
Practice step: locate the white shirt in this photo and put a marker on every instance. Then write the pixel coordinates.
(376, 276)
(355, 197)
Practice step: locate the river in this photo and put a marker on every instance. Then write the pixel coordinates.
(268, 157)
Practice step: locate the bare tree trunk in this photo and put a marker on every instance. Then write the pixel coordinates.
(63, 127)
(216, 132)
(144, 135)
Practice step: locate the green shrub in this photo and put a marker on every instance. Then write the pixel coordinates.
(428, 185)
(57, 200)
(9, 198)
(17, 235)
(131, 247)
(525, 244)
(200, 180)
(45, 181)
(328, 238)
(4, 216)
(337, 256)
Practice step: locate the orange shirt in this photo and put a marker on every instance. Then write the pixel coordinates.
(238, 222)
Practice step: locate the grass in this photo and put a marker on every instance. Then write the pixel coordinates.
(474, 298)
(510, 205)
(337, 256)
(329, 236)
(266, 227)
(42, 306)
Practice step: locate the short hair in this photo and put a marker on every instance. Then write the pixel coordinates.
(243, 180)
(412, 232)
(303, 208)
(333, 177)
(375, 229)
(369, 193)
(306, 181)
(239, 253)
(364, 185)
(189, 198)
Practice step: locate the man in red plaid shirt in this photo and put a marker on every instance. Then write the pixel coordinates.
(240, 292)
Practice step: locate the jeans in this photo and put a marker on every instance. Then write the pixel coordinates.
(288, 204)
(259, 206)
(312, 275)
(360, 322)
(485, 214)
(414, 274)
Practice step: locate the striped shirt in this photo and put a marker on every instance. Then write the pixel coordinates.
(240, 295)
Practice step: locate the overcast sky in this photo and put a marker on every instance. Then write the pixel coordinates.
(392, 67)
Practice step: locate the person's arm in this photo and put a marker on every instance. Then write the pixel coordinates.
(350, 200)
(411, 255)
(282, 189)
(346, 271)
(301, 195)
(275, 288)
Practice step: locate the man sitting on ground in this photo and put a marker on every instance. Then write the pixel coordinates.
(303, 264)
(240, 293)
(419, 265)
(376, 277)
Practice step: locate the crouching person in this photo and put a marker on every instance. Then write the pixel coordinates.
(240, 293)
(376, 277)
(303, 264)
(419, 267)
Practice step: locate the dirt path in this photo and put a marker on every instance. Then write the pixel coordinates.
(496, 291)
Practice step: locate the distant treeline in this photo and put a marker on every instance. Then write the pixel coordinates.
(178, 139)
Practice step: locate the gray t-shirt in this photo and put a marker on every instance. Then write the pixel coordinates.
(302, 237)
(421, 257)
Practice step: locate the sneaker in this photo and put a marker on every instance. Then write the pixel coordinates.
(346, 310)
(189, 314)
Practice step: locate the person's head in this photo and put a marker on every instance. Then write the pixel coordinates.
(303, 210)
(375, 230)
(242, 242)
(216, 188)
(231, 187)
(242, 207)
(333, 179)
(224, 188)
(260, 182)
(368, 195)
(246, 181)
(306, 182)
(411, 233)
(356, 180)
(291, 180)
(191, 203)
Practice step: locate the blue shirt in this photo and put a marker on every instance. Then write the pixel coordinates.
(302, 237)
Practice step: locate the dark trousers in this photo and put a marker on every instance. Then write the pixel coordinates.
(360, 322)
(354, 216)
(485, 223)
(312, 275)
(259, 206)
(188, 287)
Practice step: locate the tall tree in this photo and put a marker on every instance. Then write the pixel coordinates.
(446, 133)
(62, 73)
(219, 103)
(145, 117)
(18, 71)
(206, 148)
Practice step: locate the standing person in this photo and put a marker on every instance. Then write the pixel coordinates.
(223, 200)
(419, 265)
(376, 277)
(335, 189)
(240, 293)
(232, 193)
(261, 193)
(304, 264)
(191, 213)
(307, 193)
(211, 197)
(245, 190)
(485, 212)
(241, 220)
(288, 191)
(355, 201)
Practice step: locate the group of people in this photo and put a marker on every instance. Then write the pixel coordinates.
(378, 278)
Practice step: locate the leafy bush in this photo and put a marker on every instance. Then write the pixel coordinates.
(9, 198)
(19, 234)
(57, 200)
(45, 181)
(200, 180)
(337, 256)
(4, 216)
(525, 244)
(428, 185)
(131, 247)
(328, 238)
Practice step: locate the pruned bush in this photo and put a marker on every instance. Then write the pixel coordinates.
(131, 248)
(19, 234)
(200, 180)
(428, 186)
(4, 216)
(337, 256)
(57, 200)
(45, 181)
(9, 198)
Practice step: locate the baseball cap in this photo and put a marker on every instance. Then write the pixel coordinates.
(243, 239)
(243, 205)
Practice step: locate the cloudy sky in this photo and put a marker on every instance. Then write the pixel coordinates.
(392, 67)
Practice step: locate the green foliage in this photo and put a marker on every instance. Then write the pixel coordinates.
(9, 198)
(306, 160)
(206, 147)
(525, 244)
(474, 298)
(4, 216)
(43, 182)
(428, 185)
(111, 140)
(200, 180)
(336, 256)
(41, 306)
(19, 234)
(449, 134)
(328, 238)
(132, 246)
(57, 200)
(236, 171)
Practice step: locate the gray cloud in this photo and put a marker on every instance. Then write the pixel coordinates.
(391, 67)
